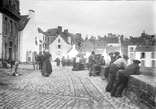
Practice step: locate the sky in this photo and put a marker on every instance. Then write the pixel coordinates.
(94, 18)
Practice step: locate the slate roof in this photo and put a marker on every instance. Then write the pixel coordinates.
(52, 32)
(63, 35)
(146, 48)
(23, 22)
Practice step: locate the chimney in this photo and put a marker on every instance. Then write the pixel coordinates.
(31, 13)
(66, 31)
(59, 29)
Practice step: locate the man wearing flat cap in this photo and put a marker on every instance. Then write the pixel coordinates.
(133, 68)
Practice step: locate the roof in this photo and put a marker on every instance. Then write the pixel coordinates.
(112, 49)
(146, 48)
(23, 22)
(112, 40)
(52, 32)
(65, 38)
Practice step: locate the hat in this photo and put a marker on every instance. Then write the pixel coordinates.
(125, 57)
(116, 53)
(136, 61)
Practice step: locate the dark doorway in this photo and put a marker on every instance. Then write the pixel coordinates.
(10, 50)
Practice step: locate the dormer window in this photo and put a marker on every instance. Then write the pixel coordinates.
(59, 40)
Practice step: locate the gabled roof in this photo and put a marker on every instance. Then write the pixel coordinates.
(65, 38)
(146, 48)
(23, 22)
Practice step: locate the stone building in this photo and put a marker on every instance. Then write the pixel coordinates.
(9, 18)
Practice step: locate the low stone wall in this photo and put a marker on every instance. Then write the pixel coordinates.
(141, 90)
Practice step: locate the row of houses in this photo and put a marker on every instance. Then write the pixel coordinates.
(19, 36)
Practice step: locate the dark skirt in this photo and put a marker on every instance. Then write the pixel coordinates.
(47, 68)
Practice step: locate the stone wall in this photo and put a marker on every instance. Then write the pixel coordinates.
(141, 89)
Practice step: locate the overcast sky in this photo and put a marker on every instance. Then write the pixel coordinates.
(95, 18)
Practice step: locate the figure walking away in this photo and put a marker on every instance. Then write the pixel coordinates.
(47, 67)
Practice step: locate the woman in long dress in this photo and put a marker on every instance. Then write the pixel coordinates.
(47, 67)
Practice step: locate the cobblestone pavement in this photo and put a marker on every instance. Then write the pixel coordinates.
(64, 89)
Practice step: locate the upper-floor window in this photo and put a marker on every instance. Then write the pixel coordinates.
(153, 63)
(153, 55)
(59, 40)
(142, 55)
(5, 26)
(131, 49)
(59, 46)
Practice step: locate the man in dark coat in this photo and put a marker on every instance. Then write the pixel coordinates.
(40, 59)
(133, 68)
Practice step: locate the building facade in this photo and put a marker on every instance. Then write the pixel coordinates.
(9, 19)
(147, 55)
(29, 38)
(60, 45)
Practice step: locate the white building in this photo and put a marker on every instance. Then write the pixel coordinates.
(131, 53)
(28, 37)
(147, 55)
(60, 45)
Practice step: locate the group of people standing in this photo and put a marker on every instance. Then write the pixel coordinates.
(42, 61)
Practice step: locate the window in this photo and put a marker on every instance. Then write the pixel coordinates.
(131, 49)
(142, 55)
(59, 40)
(6, 26)
(153, 63)
(153, 55)
(59, 46)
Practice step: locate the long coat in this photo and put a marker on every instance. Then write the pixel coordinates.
(47, 67)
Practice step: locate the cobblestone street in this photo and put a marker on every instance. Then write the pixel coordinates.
(64, 89)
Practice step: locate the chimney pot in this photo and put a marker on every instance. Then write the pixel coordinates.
(59, 29)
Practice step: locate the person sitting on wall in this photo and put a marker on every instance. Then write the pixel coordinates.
(133, 68)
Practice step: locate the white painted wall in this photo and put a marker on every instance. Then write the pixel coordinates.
(27, 38)
(53, 48)
(1, 26)
(148, 59)
(130, 60)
